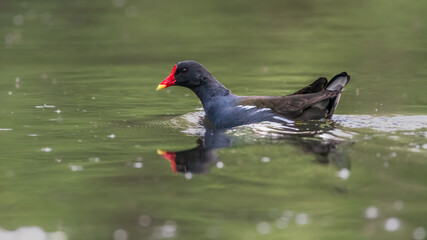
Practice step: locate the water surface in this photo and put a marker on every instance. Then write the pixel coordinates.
(81, 123)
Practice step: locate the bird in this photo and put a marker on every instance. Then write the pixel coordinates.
(224, 110)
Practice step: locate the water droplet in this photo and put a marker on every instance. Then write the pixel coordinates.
(220, 164)
(302, 219)
(169, 229)
(392, 224)
(371, 212)
(263, 227)
(419, 233)
(46, 149)
(188, 175)
(344, 173)
(76, 168)
(120, 234)
(137, 165)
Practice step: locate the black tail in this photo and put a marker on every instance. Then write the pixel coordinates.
(337, 83)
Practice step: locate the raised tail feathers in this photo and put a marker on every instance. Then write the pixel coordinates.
(338, 82)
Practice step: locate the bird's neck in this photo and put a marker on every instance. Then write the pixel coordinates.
(210, 90)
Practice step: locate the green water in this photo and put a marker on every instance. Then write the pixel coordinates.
(81, 122)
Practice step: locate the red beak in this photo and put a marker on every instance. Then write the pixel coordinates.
(169, 81)
(170, 156)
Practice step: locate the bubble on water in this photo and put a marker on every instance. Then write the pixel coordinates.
(169, 229)
(111, 136)
(344, 173)
(6, 129)
(265, 159)
(94, 159)
(18, 20)
(120, 234)
(58, 111)
(188, 175)
(371, 212)
(58, 159)
(419, 233)
(137, 165)
(378, 155)
(220, 164)
(10, 93)
(392, 224)
(386, 164)
(263, 227)
(398, 205)
(282, 222)
(302, 219)
(144, 221)
(46, 149)
(393, 154)
(76, 168)
(425, 146)
(33, 233)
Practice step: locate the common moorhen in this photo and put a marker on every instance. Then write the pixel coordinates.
(224, 109)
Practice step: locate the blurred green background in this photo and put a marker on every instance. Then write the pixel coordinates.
(80, 121)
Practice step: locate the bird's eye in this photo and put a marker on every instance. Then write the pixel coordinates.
(184, 70)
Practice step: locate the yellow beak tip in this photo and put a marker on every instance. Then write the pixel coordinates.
(160, 87)
(160, 152)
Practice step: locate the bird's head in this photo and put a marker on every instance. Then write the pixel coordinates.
(189, 74)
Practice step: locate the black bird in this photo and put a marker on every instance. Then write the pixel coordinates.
(224, 109)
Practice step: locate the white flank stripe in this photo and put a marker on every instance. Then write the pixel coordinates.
(283, 119)
(246, 107)
(263, 110)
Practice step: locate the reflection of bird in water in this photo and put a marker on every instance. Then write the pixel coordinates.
(200, 158)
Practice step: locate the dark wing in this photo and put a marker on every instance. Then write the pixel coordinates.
(315, 87)
(294, 106)
(317, 100)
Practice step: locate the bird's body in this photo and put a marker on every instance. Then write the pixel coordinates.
(224, 109)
